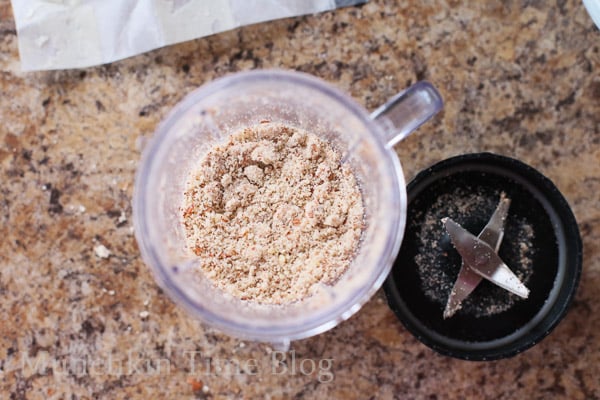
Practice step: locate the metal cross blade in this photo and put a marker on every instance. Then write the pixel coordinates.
(480, 259)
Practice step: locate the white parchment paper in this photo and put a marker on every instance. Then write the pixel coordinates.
(61, 34)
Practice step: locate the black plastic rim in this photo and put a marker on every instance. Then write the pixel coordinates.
(558, 266)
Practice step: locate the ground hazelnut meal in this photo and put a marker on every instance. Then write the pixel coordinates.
(272, 214)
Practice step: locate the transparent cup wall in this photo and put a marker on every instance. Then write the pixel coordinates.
(205, 119)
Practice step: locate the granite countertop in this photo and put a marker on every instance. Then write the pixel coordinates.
(520, 79)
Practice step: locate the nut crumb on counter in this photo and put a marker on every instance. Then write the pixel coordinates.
(101, 251)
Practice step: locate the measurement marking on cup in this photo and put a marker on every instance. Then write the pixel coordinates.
(350, 150)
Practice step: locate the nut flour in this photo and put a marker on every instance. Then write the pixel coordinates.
(272, 214)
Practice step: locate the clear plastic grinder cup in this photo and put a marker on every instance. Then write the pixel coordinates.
(206, 118)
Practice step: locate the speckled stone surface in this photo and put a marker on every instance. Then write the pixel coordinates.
(520, 78)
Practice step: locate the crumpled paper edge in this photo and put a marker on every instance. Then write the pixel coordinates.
(65, 34)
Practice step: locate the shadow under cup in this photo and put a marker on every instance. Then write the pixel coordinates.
(206, 118)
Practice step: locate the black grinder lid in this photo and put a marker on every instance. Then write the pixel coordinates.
(541, 244)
